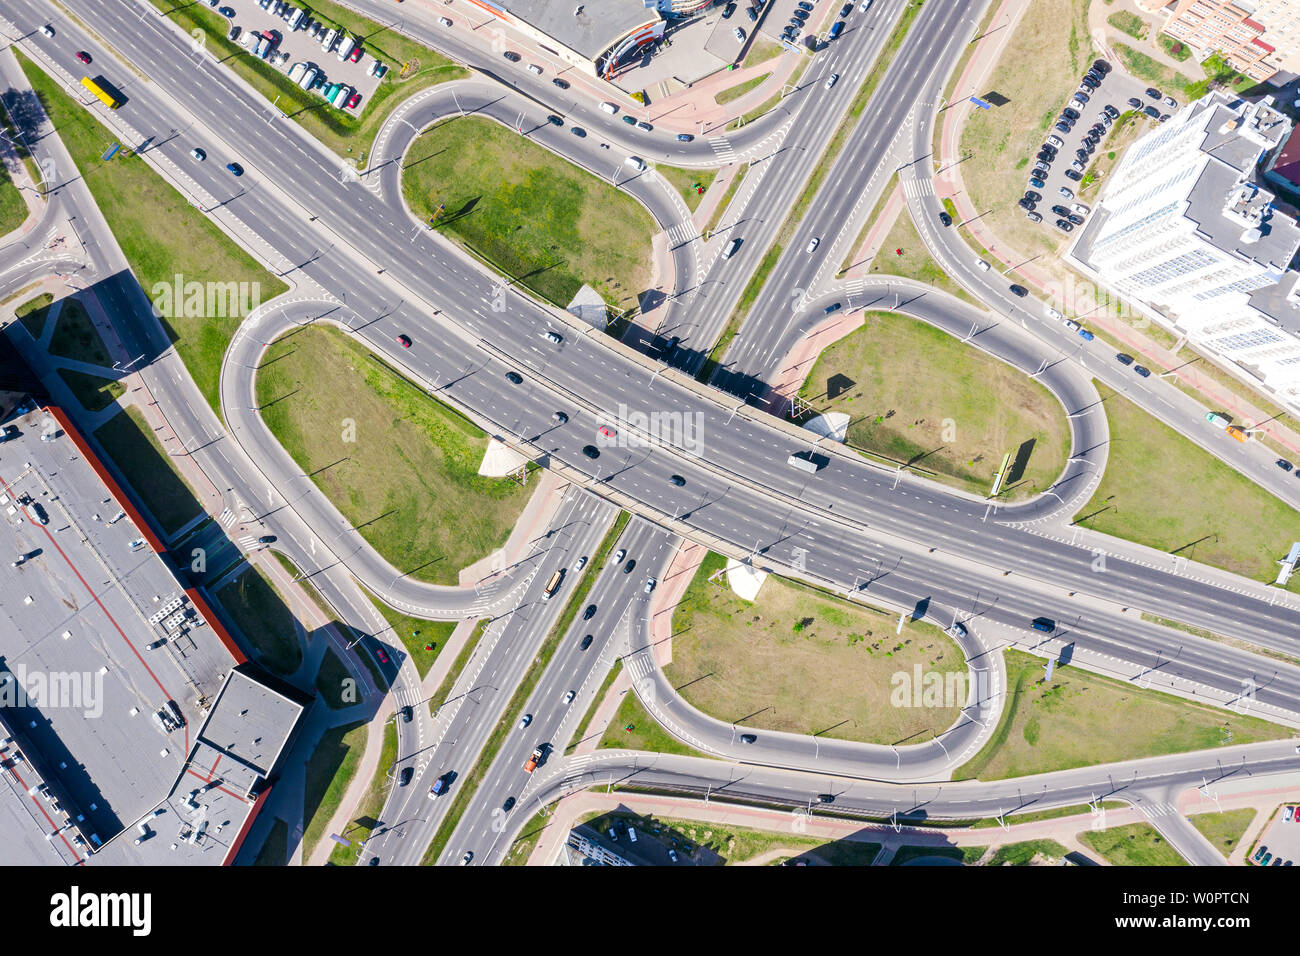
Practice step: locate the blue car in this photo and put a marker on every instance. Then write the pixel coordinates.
(1085, 335)
(235, 169)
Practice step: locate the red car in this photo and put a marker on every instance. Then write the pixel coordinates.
(83, 56)
(379, 652)
(606, 431)
(355, 55)
(404, 341)
(353, 100)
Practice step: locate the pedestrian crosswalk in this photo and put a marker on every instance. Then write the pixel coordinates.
(1153, 810)
(722, 149)
(247, 541)
(681, 234)
(917, 188)
(226, 518)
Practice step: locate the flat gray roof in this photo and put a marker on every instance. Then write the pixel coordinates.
(592, 31)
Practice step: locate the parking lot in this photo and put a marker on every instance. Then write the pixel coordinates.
(289, 46)
(806, 18)
(1066, 165)
(1279, 844)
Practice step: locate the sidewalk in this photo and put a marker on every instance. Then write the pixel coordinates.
(949, 184)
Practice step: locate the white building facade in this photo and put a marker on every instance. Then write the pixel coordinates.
(1186, 231)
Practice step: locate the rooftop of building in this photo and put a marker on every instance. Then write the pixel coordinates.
(588, 27)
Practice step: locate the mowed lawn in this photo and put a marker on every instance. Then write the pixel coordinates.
(1079, 719)
(915, 261)
(916, 394)
(13, 210)
(160, 233)
(1138, 844)
(1224, 829)
(1219, 517)
(535, 216)
(1039, 68)
(409, 482)
(263, 618)
(802, 662)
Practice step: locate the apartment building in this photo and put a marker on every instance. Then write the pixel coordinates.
(1260, 38)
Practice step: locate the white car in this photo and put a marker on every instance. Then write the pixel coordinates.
(830, 80)
(1055, 141)
(982, 266)
(740, 34)
(568, 698)
(525, 721)
(1054, 315)
(812, 243)
(469, 855)
(198, 154)
(650, 585)
(619, 555)
(48, 30)
(554, 338)
(1080, 208)
(444, 21)
(534, 68)
(1072, 326)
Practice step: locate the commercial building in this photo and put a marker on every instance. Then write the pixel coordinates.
(595, 36)
(1260, 38)
(1187, 231)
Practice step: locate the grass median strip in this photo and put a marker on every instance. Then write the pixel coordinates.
(329, 770)
(1138, 844)
(721, 209)
(423, 639)
(367, 817)
(464, 795)
(163, 237)
(263, 617)
(605, 685)
(690, 184)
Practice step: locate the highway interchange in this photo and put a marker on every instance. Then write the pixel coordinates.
(868, 532)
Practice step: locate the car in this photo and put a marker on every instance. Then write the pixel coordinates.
(1086, 335)
(407, 714)
(1081, 154)
(83, 56)
(1054, 315)
(1075, 218)
(1259, 854)
(1101, 65)
(560, 82)
(582, 561)
(578, 131)
(1089, 82)
(514, 378)
(1027, 204)
(589, 613)
(1065, 192)
(752, 14)
(1152, 112)
(812, 243)
(1267, 857)
(1080, 208)
(1089, 146)
(1060, 210)
(405, 776)
(469, 855)
(1045, 157)
(444, 21)
(234, 169)
(944, 218)
(1142, 370)
(739, 34)
(379, 652)
(677, 480)
(1073, 174)
(728, 10)
(227, 12)
(1111, 111)
(1037, 183)
(49, 30)
(1055, 142)
(591, 451)
(1064, 225)
(748, 738)
(830, 81)
(1104, 119)
(613, 834)
(805, 6)
(266, 539)
(644, 126)
(586, 642)
(355, 55)
(537, 756)
(508, 805)
(568, 698)
(1033, 196)
(404, 341)
(606, 431)
(198, 154)
(684, 137)
(1063, 126)
(1153, 93)
(1289, 812)
(629, 120)
(554, 120)
(511, 55)
(560, 417)
(1033, 216)
(825, 798)
(982, 265)
(1043, 167)
(1285, 466)
(672, 854)
(1163, 117)
(1019, 290)
(1080, 97)
(439, 787)
(374, 861)
(845, 10)
(1134, 102)
(1123, 358)
(650, 584)
(619, 555)
(554, 338)
(234, 32)
(525, 721)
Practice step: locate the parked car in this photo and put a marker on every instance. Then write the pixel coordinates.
(561, 83)
(1033, 216)
(511, 55)
(1065, 192)
(1124, 358)
(1064, 225)
(1153, 92)
(1142, 370)
(684, 137)
(1019, 291)
(1135, 102)
(1073, 174)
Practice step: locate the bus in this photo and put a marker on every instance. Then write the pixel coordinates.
(553, 585)
(102, 91)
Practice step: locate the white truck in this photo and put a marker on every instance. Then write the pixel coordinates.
(803, 462)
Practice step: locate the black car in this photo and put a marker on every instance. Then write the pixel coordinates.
(406, 714)
(805, 6)
(586, 642)
(645, 126)
(1019, 290)
(405, 778)
(1061, 210)
(1124, 358)
(554, 120)
(677, 480)
(1142, 370)
(752, 14)
(591, 451)
(1070, 113)
(560, 417)
(1153, 93)
(1073, 174)
(588, 614)
(728, 10)
(508, 805)
(1033, 217)
(1075, 218)
(1063, 127)
(1045, 157)
(511, 55)
(846, 10)
(1101, 66)
(799, 15)
(1089, 82)
(514, 378)
(631, 563)
(825, 798)
(1152, 112)
(945, 218)
(578, 131)
(748, 738)
(1134, 102)
(1162, 117)
(1064, 225)
(1111, 111)
(1284, 464)
(1027, 204)
(1033, 196)
(1082, 154)
(562, 84)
